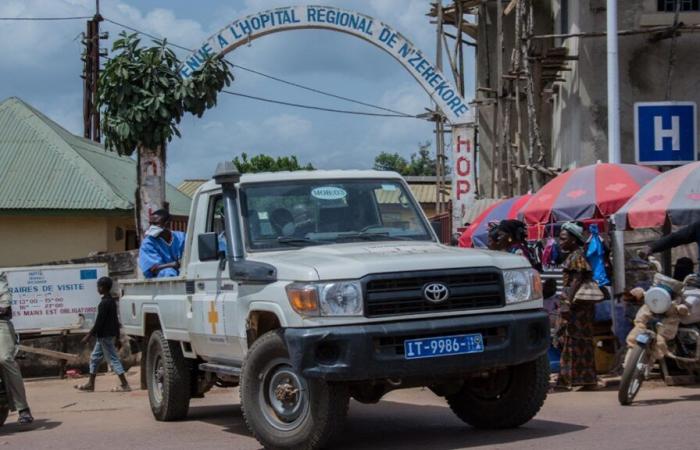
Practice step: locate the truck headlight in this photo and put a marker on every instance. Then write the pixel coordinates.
(338, 298)
(522, 285)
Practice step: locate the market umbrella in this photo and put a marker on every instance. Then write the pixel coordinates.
(594, 191)
(675, 193)
(477, 233)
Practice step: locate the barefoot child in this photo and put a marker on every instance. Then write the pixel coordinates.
(106, 330)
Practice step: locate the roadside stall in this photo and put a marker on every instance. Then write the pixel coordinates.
(591, 195)
(670, 201)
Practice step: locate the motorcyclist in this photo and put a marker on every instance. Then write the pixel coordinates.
(686, 235)
(10, 370)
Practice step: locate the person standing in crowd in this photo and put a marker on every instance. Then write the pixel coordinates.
(576, 326)
(510, 236)
(11, 374)
(106, 331)
(162, 248)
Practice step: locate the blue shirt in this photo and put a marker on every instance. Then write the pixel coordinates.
(155, 251)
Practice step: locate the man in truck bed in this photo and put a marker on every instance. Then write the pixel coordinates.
(161, 249)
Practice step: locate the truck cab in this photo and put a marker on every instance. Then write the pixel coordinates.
(308, 288)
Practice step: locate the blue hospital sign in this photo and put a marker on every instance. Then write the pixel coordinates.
(665, 132)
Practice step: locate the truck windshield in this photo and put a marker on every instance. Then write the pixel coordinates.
(317, 212)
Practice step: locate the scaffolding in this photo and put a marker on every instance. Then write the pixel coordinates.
(452, 28)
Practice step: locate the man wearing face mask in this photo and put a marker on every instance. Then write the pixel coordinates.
(162, 248)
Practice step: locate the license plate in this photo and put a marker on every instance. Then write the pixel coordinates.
(643, 339)
(443, 346)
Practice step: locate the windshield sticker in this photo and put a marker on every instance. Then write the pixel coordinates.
(262, 215)
(328, 193)
(388, 187)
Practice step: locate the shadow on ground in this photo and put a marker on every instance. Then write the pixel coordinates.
(11, 427)
(392, 425)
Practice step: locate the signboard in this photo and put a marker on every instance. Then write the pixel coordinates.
(242, 31)
(665, 132)
(52, 298)
(463, 173)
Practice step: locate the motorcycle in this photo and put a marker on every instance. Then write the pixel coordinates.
(667, 330)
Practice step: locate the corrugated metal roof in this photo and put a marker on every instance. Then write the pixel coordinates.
(43, 166)
(189, 187)
(424, 193)
(475, 209)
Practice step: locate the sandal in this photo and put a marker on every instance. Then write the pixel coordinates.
(126, 388)
(25, 417)
(87, 387)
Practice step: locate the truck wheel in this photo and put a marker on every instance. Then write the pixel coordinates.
(167, 378)
(507, 399)
(283, 409)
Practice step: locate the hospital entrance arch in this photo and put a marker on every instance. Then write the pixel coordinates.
(442, 92)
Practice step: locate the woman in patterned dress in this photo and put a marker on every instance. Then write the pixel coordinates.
(576, 342)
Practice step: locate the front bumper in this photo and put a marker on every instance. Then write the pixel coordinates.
(375, 351)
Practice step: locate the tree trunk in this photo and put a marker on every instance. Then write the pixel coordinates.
(150, 195)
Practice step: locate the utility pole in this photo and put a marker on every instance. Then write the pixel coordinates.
(613, 85)
(91, 74)
(439, 123)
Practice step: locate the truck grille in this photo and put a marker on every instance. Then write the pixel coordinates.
(402, 293)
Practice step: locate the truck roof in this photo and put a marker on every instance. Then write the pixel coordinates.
(265, 177)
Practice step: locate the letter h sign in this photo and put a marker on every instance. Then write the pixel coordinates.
(665, 133)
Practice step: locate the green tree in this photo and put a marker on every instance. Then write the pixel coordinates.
(265, 163)
(421, 163)
(143, 100)
(391, 161)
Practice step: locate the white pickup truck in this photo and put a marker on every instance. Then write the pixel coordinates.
(309, 288)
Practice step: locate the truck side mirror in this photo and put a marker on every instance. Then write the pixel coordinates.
(208, 246)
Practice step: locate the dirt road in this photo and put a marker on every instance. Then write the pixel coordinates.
(415, 419)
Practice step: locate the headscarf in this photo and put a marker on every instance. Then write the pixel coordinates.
(576, 230)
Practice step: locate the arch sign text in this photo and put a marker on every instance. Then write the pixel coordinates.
(242, 31)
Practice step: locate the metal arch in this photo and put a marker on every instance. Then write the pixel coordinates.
(246, 29)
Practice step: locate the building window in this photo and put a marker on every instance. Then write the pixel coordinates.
(670, 5)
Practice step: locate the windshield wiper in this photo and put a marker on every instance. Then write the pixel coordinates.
(299, 241)
(372, 236)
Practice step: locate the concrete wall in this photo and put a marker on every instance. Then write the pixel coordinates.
(33, 239)
(579, 126)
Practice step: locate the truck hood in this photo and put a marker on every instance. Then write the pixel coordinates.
(355, 260)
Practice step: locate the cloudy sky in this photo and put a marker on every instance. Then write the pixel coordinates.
(41, 64)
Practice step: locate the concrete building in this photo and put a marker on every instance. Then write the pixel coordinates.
(569, 76)
(62, 196)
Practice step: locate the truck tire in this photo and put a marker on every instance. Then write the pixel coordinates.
(281, 408)
(508, 399)
(167, 378)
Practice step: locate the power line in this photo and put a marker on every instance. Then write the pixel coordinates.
(318, 108)
(135, 30)
(45, 18)
(280, 80)
(318, 91)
